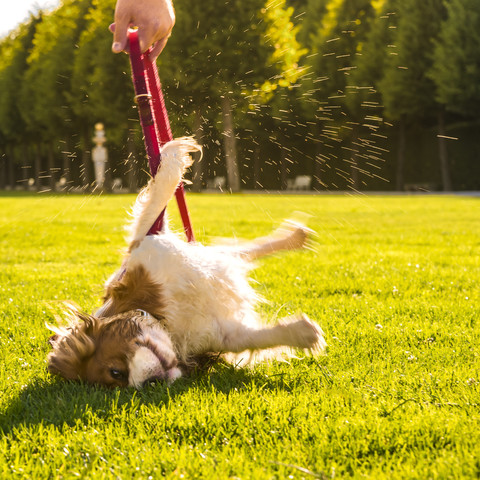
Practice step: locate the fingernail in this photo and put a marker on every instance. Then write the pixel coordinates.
(117, 47)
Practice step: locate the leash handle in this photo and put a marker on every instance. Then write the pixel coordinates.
(155, 124)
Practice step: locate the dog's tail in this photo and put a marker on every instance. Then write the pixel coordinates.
(155, 196)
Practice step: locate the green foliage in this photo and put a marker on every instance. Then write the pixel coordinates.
(406, 86)
(275, 96)
(250, 54)
(343, 29)
(374, 52)
(456, 68)
(393, 281)
(281, 34)
(102, 86)
(334, 42)
(313, 77)
(47, 79)
(14, 53)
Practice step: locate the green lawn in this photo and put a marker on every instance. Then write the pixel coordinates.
(393, 281)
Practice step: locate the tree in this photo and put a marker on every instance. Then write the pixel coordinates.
(231, 51)
(407, 90)
(275, 98)
(15, 50)
(456, 61)
(335, 38)
(102, 89)
(242, 72)
(46, 82)
(363, 100)
(456, 67)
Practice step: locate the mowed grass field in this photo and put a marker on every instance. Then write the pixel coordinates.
(393, 281)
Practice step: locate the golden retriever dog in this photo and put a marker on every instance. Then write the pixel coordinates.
(173, 303)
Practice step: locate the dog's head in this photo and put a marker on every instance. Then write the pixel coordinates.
(129, 349)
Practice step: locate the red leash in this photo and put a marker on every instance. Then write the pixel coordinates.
(155, 124)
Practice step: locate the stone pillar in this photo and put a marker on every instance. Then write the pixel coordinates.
(99, 155)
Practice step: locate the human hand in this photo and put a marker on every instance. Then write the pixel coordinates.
(154, 19)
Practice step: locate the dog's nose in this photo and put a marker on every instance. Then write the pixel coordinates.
(154, 379)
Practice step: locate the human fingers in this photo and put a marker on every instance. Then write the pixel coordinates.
(157, 49)
(120, 28)
(156, 26)
(153, 31)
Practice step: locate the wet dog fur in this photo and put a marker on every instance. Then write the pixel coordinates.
(174, 302)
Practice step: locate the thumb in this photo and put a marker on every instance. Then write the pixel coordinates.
(120, 35)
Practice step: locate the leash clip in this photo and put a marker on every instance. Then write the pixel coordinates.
(141, 96)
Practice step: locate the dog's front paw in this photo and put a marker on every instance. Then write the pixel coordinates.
(304, 333)
(295, 233)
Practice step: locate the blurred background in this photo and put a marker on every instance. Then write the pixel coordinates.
(294, 95)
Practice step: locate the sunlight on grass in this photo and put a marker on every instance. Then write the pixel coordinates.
(393, 281)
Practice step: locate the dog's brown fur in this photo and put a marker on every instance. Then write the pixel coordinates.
(134, 290)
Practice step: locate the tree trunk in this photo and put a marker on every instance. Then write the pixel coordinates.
(197, 177)
(132, 163)
(230, 145)
(354, 159)
(400, 156)
(51, 168)
(25, 167)
(443, 153)
(86, 169)
(3, 170)
(257, 168)
(10, 168)
(283, 167)
(37, 166)
(66, 167)
(108, 183)
(317, 183)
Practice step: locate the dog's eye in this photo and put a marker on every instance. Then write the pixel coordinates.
(118, 374)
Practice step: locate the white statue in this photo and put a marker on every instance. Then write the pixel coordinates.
(99, 155)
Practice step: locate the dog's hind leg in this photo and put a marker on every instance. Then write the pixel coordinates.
(154, 198)
(290, 236)
(295, 332)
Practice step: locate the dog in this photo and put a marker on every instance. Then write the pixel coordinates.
(172, 303)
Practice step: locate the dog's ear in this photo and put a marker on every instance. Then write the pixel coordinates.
(73, 346)
(135, 290)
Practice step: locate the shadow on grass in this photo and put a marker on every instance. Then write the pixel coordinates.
(58, 403)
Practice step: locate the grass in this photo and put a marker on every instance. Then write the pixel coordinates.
(393, 281)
